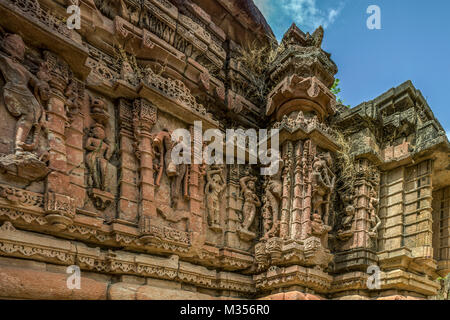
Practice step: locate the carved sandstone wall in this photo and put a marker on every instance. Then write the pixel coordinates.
(87, 179)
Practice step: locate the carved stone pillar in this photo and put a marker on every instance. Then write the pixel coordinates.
(285, 198)
(357, 237)
(74, 140)
(196, 194)
(297, 204)
(129, 165)
(307, 180)
(59, 206)
(145, 115)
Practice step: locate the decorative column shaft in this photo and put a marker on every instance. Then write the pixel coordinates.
(59, 206)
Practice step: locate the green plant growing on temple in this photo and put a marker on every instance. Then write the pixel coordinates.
(335, 89)
(444, 291)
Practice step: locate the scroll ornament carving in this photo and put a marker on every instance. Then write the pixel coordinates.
(21, 197)
(175, 89)
(154, 234)
(60, 210)
(33, 9)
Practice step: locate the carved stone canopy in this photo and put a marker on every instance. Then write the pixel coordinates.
(305, 94)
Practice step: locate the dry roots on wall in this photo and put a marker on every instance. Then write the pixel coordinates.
(345, 162)
(257, 60)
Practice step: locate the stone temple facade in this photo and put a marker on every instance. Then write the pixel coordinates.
(87, 179)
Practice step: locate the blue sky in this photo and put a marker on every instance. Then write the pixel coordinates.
(413, 44)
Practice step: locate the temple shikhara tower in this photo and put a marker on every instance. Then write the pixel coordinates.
(359, 208)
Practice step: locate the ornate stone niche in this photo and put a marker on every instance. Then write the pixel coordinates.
(99, 149)
(214, 188)
(250, 207)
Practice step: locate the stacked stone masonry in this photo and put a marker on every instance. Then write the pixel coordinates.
(87, 179)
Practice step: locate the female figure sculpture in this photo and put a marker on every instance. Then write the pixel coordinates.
(214, 187)
(251, 201)
(97, 159)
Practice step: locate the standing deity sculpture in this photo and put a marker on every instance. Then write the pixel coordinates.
(251, 202)
(271, 200)
(98, 155)
(214, 187)
(323, 184)
(176, 173)
(101, 173)
(17, 97)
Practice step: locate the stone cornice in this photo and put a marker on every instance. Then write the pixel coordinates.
(28, 245)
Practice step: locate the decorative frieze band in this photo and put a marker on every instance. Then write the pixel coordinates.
(29, 245)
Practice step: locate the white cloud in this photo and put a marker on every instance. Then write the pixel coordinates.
(305, 13)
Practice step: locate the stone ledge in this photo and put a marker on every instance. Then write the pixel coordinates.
(28, 245)
(21, 283)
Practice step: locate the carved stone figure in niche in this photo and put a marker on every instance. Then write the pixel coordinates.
(345, 232)
(97, 159)
(272, 199)
(214, 187)
(17, 97)
(177, 174)
(375, 221)
(101, 172)
(251, 202)
(323, 184)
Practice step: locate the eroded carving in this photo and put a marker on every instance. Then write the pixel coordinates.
(98, 154)
(26, 105)
(249, 208)
(176, 173)
(214, 187)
